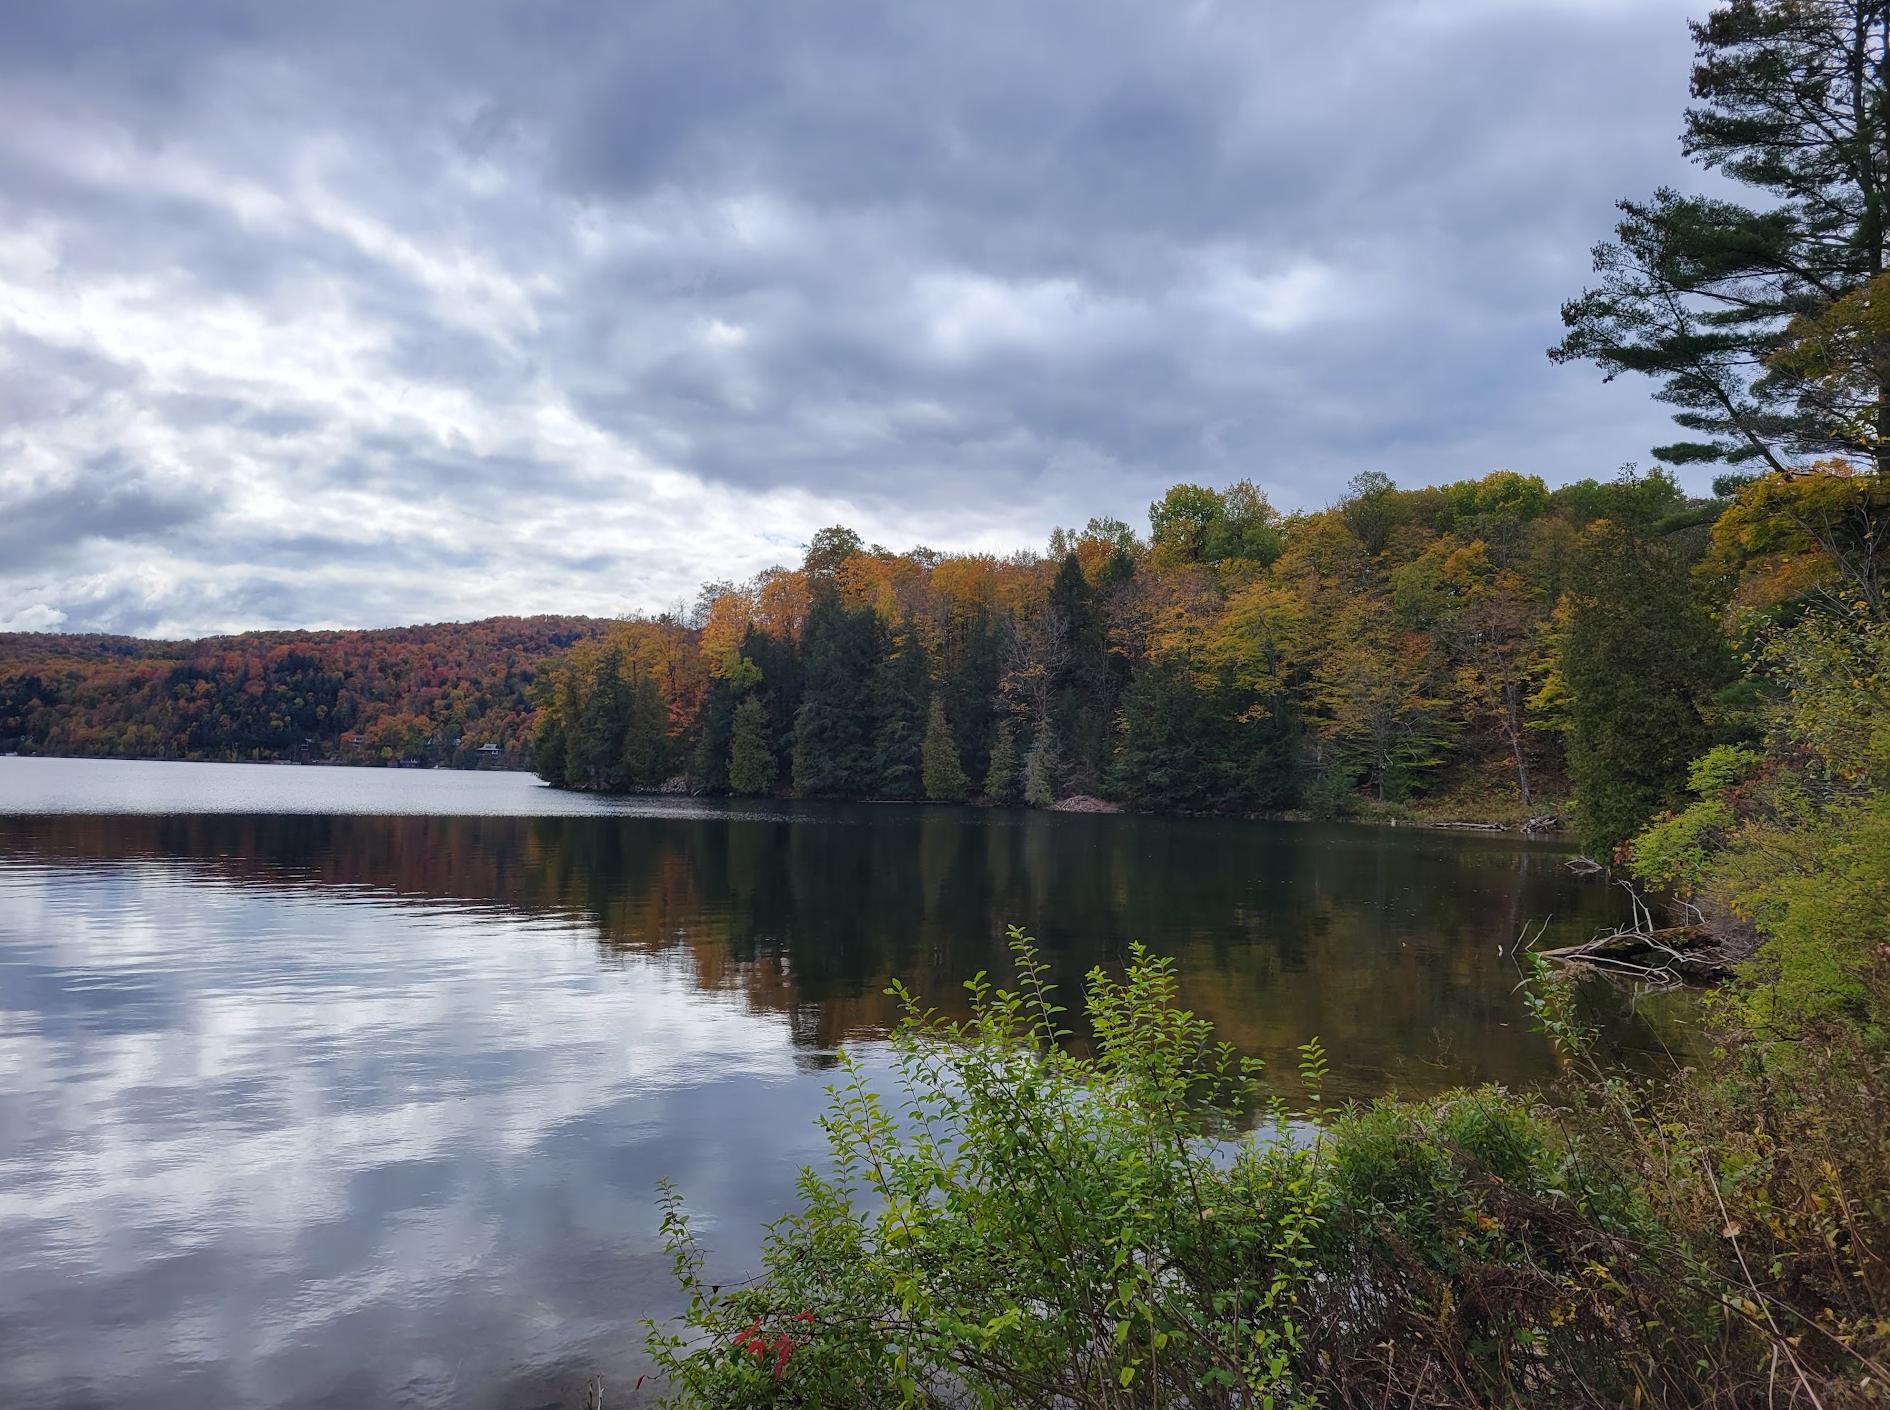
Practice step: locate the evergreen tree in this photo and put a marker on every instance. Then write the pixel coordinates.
(967, 670)
(708, 761)
(549, 745)
(599, 709)
(777, 661)
(945, 780)
(646, 751)
(548, 749)
(1637, 663)
(1040, 771)
(1191, 744)
(751, 765)
(1714, 297)
(1000, 779)
(833, 743)
(898, 707)
(1170, 752)
(1079, 705)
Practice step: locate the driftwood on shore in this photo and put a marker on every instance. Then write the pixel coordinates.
(1539, 826)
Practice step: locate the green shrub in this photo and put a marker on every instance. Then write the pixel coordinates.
(1021, 1224)
(1820, 894)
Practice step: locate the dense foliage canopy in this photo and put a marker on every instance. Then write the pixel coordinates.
(1403, 648)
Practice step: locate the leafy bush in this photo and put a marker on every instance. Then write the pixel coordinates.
(1022, 1224)
(1676, 851)
(1820, 893)
(1796, 842)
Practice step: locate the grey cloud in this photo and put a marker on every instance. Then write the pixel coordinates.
(491, 262)
(41, 381)
(109, 501)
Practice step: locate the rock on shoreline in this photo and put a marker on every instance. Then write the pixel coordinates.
(1083, 803)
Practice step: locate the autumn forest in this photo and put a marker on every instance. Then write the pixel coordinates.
(1488, 650)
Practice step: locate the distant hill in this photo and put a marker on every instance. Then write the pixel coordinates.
(450, 693)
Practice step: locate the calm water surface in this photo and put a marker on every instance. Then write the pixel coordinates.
(340, 1087)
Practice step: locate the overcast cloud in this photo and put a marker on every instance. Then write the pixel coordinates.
(365, 313)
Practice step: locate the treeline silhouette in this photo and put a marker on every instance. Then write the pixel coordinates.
(432, 694)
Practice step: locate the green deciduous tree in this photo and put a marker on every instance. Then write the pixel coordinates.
(828, 549)
(1195, 524)
(1371, 509)
(1379, 698)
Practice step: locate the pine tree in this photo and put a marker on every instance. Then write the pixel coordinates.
(599, 708)
(1638, 662)
(751, 765)
(549, 745)
(646, 751)
(1079, 703)
(708, 762)
(833, 744)
(898, 706)
(1001, 777)
(1171, 749)
(779, 662)
(945, 779)
(1040, 771)
(1713, 296)
(966, 671)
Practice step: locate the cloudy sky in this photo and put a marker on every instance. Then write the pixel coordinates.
(374, 311)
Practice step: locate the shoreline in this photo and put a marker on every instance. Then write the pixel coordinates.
(1079, 805)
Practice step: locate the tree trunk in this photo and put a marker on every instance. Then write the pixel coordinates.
(1512, 726)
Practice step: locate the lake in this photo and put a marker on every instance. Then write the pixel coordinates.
(346, 1087)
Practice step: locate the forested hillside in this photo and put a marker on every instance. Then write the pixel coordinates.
(1456, 642)
(433, 694)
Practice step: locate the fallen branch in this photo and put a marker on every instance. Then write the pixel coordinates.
(1670, 955)
(1690, 953)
